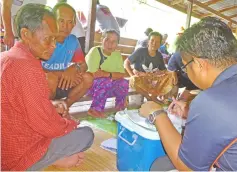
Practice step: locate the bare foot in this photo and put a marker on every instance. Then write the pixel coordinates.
(81, 156)
(96, 114)
(71, 161)
(118, 108)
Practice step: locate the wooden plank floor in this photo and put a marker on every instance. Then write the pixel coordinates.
(96, 158)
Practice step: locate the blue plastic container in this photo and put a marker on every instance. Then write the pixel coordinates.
(137, 147)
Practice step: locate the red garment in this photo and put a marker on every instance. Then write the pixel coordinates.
(78, 56)
(29, 120)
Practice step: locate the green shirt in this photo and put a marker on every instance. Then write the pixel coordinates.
(113, 63)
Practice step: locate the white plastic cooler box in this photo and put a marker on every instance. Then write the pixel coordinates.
(137, 147)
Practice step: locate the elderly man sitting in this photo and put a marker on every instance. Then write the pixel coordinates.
(33, 134)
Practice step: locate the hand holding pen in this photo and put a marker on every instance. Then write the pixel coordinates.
(179, 107)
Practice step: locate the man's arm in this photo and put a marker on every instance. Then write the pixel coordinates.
(171, 140)
(127, 66)
(82, 41)
(68, 76)
(6, 18)
(170, 137)
(83, 67)
(57, 73)
(41, 115)
(172, 64)
(93, 60)
(196, 150)
(131, 60)
(79, 59)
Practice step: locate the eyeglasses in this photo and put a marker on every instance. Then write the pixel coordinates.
(183, 68)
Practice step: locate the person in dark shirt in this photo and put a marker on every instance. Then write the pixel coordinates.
(148, 63)
(164, 44)
(175, 64)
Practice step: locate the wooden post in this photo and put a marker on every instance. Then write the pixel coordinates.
(90, 33)
(189, 14)
(230, 24)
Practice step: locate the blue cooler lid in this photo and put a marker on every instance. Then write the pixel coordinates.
(131, 120)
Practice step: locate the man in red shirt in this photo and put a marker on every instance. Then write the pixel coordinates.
(33, 134)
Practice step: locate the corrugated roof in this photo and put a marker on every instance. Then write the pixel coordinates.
(225, 9)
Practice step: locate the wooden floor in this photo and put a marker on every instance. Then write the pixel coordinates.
(96, 158)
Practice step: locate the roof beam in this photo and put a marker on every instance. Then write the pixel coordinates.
(207, 14)
(177, 7)
(175, 2)
(223, 10)
(227, 9)
(212, 2)
(212, 11)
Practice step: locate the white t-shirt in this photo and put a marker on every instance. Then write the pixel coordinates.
(17, 4)
(105, 19)
(78, 30)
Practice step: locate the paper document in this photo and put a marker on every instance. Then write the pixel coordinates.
(110, 145)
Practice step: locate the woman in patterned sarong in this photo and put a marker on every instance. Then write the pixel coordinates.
(106, 65)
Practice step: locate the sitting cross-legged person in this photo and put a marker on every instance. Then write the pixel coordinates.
(67, 61)
(149, 76)
(106, 64)
(33, 134)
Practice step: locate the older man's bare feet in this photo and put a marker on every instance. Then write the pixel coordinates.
(81, 156)
(71, 161)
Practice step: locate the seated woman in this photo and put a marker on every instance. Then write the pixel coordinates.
(149, 76)
(106, 65)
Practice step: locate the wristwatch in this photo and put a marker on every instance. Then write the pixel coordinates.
(152, 117)
(78, 67)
